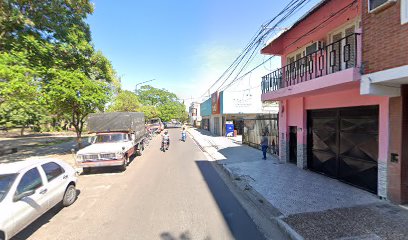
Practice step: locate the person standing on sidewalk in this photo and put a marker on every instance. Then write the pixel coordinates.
(264, 145)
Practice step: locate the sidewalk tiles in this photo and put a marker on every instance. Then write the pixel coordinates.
(315, 206)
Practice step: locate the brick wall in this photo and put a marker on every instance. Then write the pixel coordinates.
(385, 43)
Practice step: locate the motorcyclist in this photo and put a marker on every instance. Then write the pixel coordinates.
(183, 134)
(166, 137)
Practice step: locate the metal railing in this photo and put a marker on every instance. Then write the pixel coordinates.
(335, 57)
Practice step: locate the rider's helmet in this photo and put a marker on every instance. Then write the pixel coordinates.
(166, 131)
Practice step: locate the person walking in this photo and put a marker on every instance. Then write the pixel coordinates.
(264, 145)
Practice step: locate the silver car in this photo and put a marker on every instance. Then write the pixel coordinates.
(30, 188)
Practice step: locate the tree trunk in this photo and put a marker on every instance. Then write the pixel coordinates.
(22, 131)
(79, 140)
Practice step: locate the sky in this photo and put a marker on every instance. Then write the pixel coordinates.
(184, 45)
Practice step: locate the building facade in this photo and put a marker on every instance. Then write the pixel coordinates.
(194, 114)
(385, 59)
(325, 124)
(233, 106)
(205, 112)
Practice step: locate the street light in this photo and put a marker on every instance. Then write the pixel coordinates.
(144, 82)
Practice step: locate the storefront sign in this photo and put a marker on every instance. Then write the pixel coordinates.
(215, 103)
(244, 102)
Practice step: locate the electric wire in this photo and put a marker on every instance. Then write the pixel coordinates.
(257, 39)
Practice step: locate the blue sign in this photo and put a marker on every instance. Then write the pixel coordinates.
(229, 129)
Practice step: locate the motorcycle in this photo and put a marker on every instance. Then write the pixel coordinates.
(165, 145)
(183, 136)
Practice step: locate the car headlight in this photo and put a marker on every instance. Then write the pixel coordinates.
(79, 158)
(119, 155)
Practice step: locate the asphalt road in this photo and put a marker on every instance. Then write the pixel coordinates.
(170, 196)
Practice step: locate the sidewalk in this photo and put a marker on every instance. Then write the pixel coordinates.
(310, 205)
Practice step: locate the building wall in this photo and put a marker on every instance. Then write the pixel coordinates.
(205, 108)
(394, 168)
(295, 114)
(385, 43)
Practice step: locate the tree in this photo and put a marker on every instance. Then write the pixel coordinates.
(73, 92)
(125, 101)
(164, 102)
(21, 104)
(61, 66)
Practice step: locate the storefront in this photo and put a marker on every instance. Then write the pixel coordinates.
(205, 112)
(236, 106)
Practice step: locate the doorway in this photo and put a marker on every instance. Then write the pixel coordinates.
(293, 144)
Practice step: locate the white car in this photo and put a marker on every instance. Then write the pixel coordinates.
(30, 188)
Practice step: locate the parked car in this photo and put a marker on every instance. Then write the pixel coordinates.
(30, 188)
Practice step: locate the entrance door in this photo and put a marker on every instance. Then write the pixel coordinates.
(344, 144)
(293, 144)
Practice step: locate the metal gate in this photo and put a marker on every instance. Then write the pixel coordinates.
(343, 143)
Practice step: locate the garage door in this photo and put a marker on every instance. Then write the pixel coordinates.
(343, 143)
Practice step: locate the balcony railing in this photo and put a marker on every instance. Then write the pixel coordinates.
(335, 57)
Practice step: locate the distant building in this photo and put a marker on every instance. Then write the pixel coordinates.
(233, 107)
(194, 115)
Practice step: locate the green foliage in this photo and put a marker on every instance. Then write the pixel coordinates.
(21, 102)
(73, 92)
(165, 104)
(149, 112)
(125, 101)
(48, 65)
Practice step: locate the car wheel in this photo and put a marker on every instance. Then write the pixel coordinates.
(125, 163)
(69, 196)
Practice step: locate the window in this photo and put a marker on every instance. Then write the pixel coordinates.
(404, 11)
(377, 4)
(30, 181)
(52, 170)
(6, 180)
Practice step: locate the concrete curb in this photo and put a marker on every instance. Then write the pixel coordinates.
(283, 226)
(288, 230)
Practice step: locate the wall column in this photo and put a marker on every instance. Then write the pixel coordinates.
(302, 137)
(283, 135)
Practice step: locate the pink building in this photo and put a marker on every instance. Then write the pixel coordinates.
(325, 124)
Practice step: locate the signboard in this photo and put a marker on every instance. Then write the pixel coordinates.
(215, 103)
(205, 108)
(247, 102)
(229, 128)
(270, 107)
(242, 102)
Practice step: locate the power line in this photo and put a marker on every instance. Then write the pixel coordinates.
(297, 7)
(306, 34)
(257, 39)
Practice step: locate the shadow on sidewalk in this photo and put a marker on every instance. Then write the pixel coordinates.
(239, 222)
(204, 132)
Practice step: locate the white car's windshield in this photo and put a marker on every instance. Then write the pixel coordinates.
(6, 180)
(110, 138)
